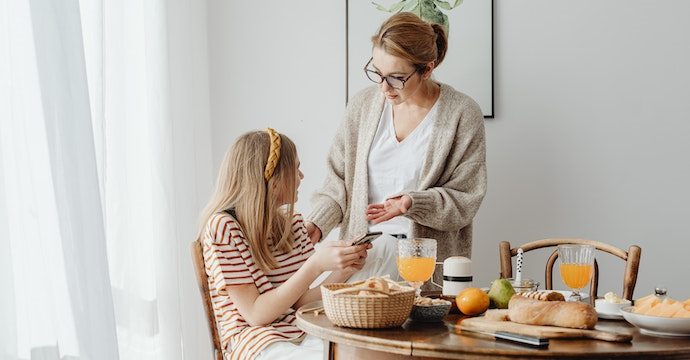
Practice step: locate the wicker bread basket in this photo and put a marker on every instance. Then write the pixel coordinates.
(366, 311)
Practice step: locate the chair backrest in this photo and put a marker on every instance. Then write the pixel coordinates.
(631, 258)
(202, 280)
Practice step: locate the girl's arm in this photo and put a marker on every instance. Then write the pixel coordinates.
(262, 309)
(335, 277)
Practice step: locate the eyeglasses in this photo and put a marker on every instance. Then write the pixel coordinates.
(395, 82)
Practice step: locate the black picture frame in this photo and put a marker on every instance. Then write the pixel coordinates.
(483, 91)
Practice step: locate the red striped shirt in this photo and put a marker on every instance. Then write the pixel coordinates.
(229, 262)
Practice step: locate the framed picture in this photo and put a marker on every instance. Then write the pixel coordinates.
(468, 65)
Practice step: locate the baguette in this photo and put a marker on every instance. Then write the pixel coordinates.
(528, 311)
(543, 295)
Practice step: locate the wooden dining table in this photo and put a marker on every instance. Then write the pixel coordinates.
(442, 340)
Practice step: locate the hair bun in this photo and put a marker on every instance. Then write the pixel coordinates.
(441, 43)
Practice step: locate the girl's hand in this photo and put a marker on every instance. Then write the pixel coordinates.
(313, 232)
(339, 255)
(391, 208)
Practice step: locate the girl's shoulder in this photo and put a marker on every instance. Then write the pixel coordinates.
(298, 223)
(222, 228)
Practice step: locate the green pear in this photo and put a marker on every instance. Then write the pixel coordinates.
(500, 293)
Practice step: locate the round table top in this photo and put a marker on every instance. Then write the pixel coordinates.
(442, 341)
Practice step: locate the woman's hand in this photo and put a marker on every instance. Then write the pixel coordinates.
(339, 256)
(391, 208)
(313, 232)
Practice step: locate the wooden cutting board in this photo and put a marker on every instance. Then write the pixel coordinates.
(481, 324)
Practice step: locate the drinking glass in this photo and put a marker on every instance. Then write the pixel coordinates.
(577, 266)
(416, 261)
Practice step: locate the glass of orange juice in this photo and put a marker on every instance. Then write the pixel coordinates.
(416, 261)
(577, 266)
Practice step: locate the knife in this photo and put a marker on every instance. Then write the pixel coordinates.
(523, 339)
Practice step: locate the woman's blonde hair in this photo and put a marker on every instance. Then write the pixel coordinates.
(407, 36)
(257, 203)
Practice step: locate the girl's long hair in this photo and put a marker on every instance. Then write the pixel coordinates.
(257, 203)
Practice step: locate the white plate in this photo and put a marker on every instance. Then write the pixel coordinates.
(609, 311)
(609, 316)
(658, 325)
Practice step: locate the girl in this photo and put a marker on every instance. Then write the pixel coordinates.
(258, 257)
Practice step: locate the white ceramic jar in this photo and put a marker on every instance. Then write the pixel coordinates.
(457, 275)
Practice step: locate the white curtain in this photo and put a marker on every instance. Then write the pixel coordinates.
(104, 165)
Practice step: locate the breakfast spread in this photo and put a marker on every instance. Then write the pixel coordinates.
(500, 292)
(655, 305)
(425, 301)
(576, 315)
(373, 284)
(543, 295)
(472, 301)
(613, 298)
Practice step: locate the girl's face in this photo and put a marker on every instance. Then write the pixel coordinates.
(284, 197)
(391, 66)
(298, 181)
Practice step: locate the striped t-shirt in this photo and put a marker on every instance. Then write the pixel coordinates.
(229, 262)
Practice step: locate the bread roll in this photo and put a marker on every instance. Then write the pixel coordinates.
(543, 295)
(375, 283)
(575, 315)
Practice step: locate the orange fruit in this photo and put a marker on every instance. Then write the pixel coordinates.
(472, 301)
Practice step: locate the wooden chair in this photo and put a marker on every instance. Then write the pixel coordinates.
(202, 280)
(631, 258)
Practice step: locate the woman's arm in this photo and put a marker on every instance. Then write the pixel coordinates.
(452, 205)
(329, 202)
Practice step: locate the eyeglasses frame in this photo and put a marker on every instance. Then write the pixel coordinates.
(366, 72)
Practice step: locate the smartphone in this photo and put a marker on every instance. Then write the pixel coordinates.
(367, 238)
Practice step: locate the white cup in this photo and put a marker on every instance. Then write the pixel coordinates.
(457, 275)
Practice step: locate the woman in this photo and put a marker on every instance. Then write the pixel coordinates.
(409, 157)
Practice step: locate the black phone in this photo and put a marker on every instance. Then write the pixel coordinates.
(367, 238)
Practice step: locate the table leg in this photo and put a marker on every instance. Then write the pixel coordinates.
(328, 350)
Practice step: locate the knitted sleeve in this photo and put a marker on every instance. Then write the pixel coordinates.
(330, 201)
(452, 204)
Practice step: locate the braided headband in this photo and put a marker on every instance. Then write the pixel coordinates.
(273, 154)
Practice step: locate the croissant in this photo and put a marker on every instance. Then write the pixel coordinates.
(555, 313)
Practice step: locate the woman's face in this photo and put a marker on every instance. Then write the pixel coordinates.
(393, 66)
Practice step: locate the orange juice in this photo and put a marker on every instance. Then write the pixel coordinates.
(416, 268)
(576, 276)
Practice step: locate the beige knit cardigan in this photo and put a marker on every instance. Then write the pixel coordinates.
(451, 185)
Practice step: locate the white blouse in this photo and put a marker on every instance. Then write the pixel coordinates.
(394, 166)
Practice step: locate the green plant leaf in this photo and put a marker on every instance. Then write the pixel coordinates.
(394, 8)
(430, 13)
(411, 5)
(379, 7)
(443, 5)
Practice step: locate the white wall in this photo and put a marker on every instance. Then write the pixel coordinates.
(590, 135)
